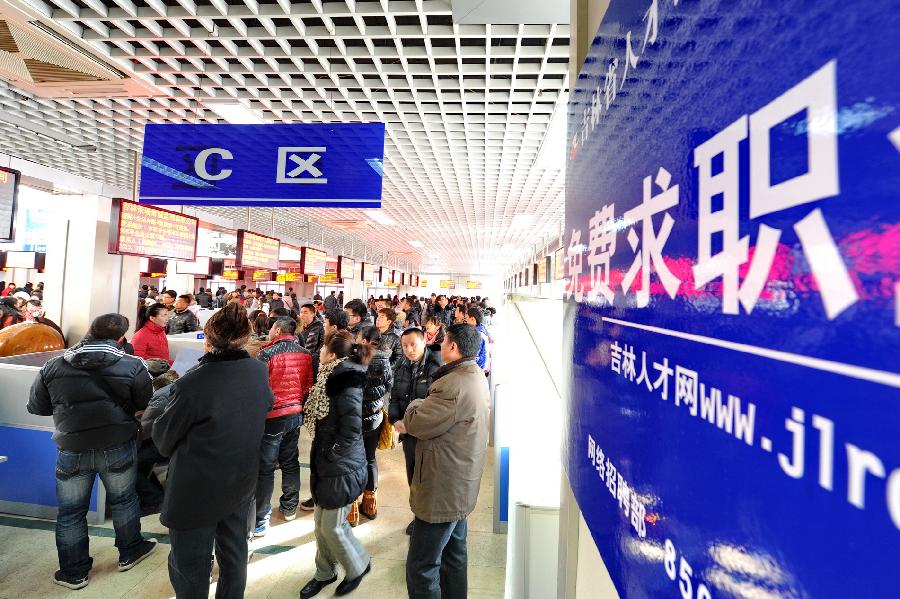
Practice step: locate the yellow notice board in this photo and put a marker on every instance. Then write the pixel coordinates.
(448, 284)
(473, 284)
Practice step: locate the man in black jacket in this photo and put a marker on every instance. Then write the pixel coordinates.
(442, 311)
(358, 316)
(313, 334)
(93, 392)
(182, 320)
(413, 375)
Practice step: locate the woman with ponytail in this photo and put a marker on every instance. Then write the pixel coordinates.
(212, 425)
(149, 339)
(333, 415)
(379, 380)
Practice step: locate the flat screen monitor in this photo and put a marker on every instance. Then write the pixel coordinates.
(559, 264)
(9, 191)
(346, 268)
(312, 261)
(201, 266)
(141, 230)
(21, 260)
(257, 251)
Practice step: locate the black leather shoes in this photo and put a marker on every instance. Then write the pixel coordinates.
(348, 586)
(313, 587)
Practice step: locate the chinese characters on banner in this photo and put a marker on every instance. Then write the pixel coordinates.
(732, 291)
(140, 230)
(255, 250)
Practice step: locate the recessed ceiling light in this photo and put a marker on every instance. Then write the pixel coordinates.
(415, 243)
(380, 217)
(235, 113)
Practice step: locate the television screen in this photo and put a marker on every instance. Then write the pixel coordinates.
(346, 268)
(201, 266)
(312, 261)
(257, 251)
(141, 230)
(20, 260)
(9, 189)
(559, 264)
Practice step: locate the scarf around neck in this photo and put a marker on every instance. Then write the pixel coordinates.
(318, 405)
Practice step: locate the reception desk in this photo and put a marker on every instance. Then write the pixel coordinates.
(27, 451)
(28, 473)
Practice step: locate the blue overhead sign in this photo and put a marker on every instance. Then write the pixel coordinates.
(330, 165)
(732, 252)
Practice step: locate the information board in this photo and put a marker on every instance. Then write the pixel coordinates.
(310, 164)
(732, 323)
(288, 277)
(312, 261)
(9, 190)
(346, 268)
(473, 284)
(423, 283)
(230, 274)
(448, 284)
(559, 264)
(138, 230)
(257, 251)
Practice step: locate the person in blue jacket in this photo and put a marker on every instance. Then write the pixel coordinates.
(475, 317)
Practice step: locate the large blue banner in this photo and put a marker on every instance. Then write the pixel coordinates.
(733, 287)
(323, 164)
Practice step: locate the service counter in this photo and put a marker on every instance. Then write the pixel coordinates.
(28, 474)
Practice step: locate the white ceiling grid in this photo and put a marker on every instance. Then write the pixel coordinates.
(466, 106)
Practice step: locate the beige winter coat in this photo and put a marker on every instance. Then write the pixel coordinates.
(451, 426)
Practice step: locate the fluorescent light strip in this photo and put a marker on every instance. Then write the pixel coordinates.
(235, 113)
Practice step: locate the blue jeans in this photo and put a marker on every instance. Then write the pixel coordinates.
(75, 475)
(437, 560)
(279, 447)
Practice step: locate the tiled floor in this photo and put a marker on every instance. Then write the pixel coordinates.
(283, 561)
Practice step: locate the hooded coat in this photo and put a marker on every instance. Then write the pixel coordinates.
(338, 459)
(86, 416)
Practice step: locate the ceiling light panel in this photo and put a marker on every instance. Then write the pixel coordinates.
(467, 107)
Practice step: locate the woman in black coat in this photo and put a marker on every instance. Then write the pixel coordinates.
(333, 413)
(377, 391)
(211, 424)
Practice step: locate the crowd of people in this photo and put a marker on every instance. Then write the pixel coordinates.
(354, 375)
(23, 304)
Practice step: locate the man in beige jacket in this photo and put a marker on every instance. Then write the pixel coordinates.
(451, 426)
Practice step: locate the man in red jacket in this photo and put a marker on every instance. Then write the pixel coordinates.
(291, 378)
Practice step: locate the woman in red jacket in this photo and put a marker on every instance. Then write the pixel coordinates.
(150, 340)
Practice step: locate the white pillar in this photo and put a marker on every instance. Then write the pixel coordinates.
(83, 280)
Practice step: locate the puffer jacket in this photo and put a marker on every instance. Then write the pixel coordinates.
(412, 381)
(379, 380)
(151, 342)
(312, 337)
(85, 415)
(338, 459)
(390, 341)
(182, 322)
(452, 426)
(290, 374)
